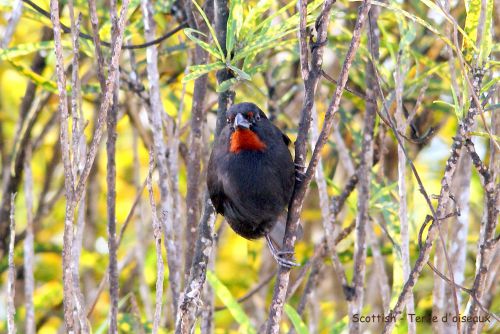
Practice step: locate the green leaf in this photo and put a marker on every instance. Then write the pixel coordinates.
(234, 23)
(456, 106)
(39, 80)
(265, 24)
(210, 28)
(241, 74)
(225, 85)
(197, 71)
(256, 69)
(437, 9)
(339, 327)
(214, 52)
(473, 8)
(487, 39)
(254, 16)
(231, 303)
(415, 18)
(297, 322)
(262, 44)
(489, 84)
(25, 49)
(485, 135)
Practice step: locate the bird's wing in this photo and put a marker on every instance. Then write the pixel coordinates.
(286, 139)
(215, 186)
(284, 136)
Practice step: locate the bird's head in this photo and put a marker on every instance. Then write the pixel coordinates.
(244, 120)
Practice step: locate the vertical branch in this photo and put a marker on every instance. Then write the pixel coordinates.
(11, 276)
(225, 99)
(29, 252)
(28, 114)
(173, 160)
(78, 147)
(157, 231)
(94, 21)
(364, 175)
(105, 102)
(200, 57)
(444, 198)
(173, 259)
(459, 232)
(73, 196)
(207, 314)
(378, 263)
(295, 205)
(141, 233)
(111, 120)
(401, 71)
(15, 15)
(186, 315)
(68, 172)
(487, 241)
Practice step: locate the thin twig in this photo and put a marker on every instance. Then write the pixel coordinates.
(402, 65)
(186, 315)
(78, 146)
(30, 109)
(462, 133)
(264, 282)
(105, 103)
(69, 180)
(29, 253)
(11, 276)
(469, 291)
(157, 231)
(125, 224)
(379, 267)
(295, 205)
(140, 231)
(94, 21)
(197, 122)
(364, 175)
(15, 15)
(164, 181)
(66, 29)
(487, 243)
(111, 121)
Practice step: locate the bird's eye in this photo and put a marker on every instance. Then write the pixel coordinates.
(257, 117)
(228, 120)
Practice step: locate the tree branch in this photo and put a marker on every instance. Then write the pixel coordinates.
(310, 82)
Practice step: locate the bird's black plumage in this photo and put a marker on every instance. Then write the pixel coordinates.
(250, 183)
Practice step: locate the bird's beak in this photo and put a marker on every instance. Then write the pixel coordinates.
(241, 122)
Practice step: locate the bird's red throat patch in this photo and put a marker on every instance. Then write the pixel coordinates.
(245, 139)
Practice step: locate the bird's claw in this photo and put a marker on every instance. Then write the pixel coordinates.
(279, 255)
(286, 263)
(300, 176)
(299, 166)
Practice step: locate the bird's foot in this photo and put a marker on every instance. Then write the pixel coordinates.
(297, 166)
(279, 255)
(300, 174)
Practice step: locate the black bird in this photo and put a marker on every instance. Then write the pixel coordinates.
(251, 175)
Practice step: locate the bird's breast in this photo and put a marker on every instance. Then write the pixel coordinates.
(245, 140)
